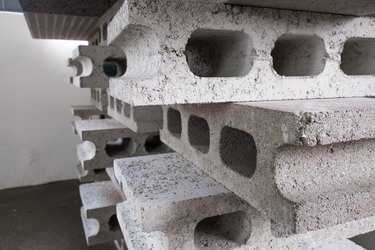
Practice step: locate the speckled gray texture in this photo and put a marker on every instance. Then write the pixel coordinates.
(99, 202)
(140, 119)
(313, 164)
(167, 197)
(154, 35)
(170, 195)
(91, 60)
(87, 176)
(95, 134)
(346, 7)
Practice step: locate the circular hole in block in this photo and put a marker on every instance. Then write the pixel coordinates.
(299, 55)
(121, 147)
(238, 151)
(227, 231)
(199, 133)
(219, 53)
(113, 224)
(114, 67)
(174, 122)
(358, 56)
(154, 145)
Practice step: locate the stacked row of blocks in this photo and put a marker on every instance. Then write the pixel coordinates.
(220, 126)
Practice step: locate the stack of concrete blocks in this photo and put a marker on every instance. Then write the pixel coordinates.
(292, 170)
(268, 111)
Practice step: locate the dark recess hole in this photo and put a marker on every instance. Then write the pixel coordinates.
(114, 67)
(174, 122)
(113, 223)
(238, 151)
(154, 145)
(226, 231)
(199, 133)
(121, 147)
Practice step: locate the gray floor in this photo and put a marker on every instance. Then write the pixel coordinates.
(43, 217)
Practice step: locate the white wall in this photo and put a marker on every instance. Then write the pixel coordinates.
(37, 144)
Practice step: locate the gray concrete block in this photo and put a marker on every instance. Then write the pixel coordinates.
(140, 119)
(98, 212)
(356, 8)
(96, 70)
(105, 140)
(99, 99)
(172, 54)
(170, 196)
(87, 176)
(307, 164)
(86, 112)
(171, 204)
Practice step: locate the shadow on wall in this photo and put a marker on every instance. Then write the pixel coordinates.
(37, 145)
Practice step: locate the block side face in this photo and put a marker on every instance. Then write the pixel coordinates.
(312, 40)
(99, 195)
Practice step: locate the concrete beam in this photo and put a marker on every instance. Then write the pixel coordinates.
(172, 54)
(307, 164)
(98, 212)
(106, 140)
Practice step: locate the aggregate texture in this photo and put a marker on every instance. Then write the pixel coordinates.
(307, 164)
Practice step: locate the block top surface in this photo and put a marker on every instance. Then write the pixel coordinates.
(94, 125)
(317, 105)
(164, 178)
(99, 194)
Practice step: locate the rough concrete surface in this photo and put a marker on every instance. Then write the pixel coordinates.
(307, 164)
(360, 8)
(105, 140)
(172, 54)
(98, 212)
(140, 119)
(171, 204)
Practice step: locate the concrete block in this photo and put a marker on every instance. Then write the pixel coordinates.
(173, 54)
(140, 119)
(87, 176)
(99, 98)
(356, 8)
(169, 196)
(307, 164)
(86, 112)
(96, 70)
(171, 204)
(105, 140)
(98, 212)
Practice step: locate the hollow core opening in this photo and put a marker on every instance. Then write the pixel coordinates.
(299, 55)
(121, 147)
(358, 56)
(227, 231)
(199, 133)
(238, 151)
(219, 53)
(154, 145)
(114, 67)
(174, 122)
